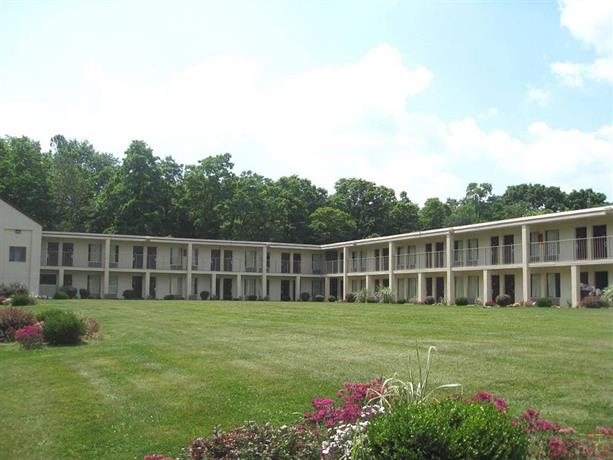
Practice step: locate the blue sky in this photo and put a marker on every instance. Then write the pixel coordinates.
(420, 96)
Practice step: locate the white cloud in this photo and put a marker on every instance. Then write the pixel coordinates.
(591, 22)
(323, 124)
(539, 96)
(492, 112)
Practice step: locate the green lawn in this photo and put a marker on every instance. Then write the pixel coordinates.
(168, 371)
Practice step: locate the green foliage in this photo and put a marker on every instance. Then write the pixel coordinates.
(401, 301)
(62, 327)
(434, 214)
(25, 182)
(328, 225)
(594, 302)
(503, 300)
(607, 294)
(461, 301)
(543, 302)
(319, 298)
(70, 291)
(362, 295)
(20, 300)
(61, 294)
(13, 319)
(351, 297)
(332, 298)
(450, 429)
(384, 294)
(305, 296)
(204, 295)
(429, 300)
(84, 293)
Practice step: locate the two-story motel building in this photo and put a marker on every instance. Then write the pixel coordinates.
(561, 256)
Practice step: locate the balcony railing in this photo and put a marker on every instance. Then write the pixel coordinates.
(596, 248)
(421, 260)
(70, 259)
(487, 256)
(368, 264)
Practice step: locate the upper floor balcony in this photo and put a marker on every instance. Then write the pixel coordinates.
(71, 259)
(488, 256)
(571, 250)
(421, 260)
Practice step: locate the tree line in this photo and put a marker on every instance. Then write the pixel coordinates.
(73, 187)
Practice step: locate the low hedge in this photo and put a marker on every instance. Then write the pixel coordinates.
(62, 327)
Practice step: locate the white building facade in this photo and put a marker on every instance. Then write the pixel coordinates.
(561, 256)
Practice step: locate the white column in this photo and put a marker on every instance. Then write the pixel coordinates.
(574, 286)
(390, 266)
(327, 287)
(420, 288)
(60, 276)
(189, 269)
(369, 284)
(487, 291)
(525, 269)
(147, 284)
(345, 277)
(449, 291)
(298, 290)
(107, 257)
(239, 285)
(213, 284)
(264, 270)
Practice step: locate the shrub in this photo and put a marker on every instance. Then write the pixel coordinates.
(70, 290)
(84, 293)
(170, 297)
(286, 298)
(543, 302)
(60, 294)
(332, 299)
(62, 327)
(503, 300)
(305, 296)
(372, 299)
(12, 289)
(20, 300)
(13, 319)
(450, 428)
(402, 301)
(236, 299)
(30, 337)
(429, 300)
(607, 294)
(252, 297)
(258, 441)
(350, 297)
(129, 294)
(362, 295)
(384, 294)
(461, 301)
(319, 298)
(592, 301)
(204, 295)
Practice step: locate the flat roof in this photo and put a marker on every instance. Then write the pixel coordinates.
(552, 217)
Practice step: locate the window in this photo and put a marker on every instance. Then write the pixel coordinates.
(411, 256)
(316, 263)
(251, 258)
(317, 287)
(113, 284)
(473, 288)
(552, 245)
(114, 256)
(94, 255)
(297, 263)
(249, 286)
(93, 284)
(473, 252)
(459, 286)
(53, 249)
(67, 279)
(175, 258)
(535, 285)
(195, 285)
(412, 288)
(553, 285)
(458, 253)
(535, 239)
(195, 255)
(17, 254)
(48, 279)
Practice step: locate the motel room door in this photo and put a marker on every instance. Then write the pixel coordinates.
(227, 289)
(137, 286)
